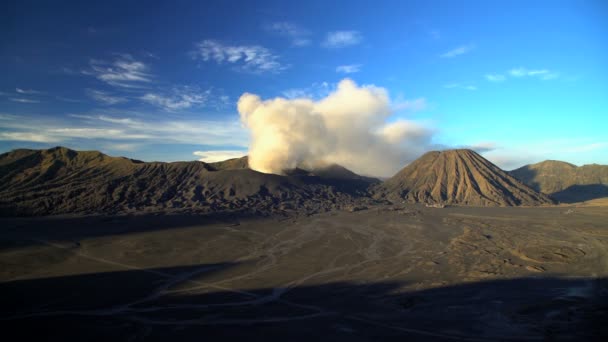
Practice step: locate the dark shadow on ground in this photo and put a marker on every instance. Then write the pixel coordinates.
(581, 193)
(146, 305)
(22, 232)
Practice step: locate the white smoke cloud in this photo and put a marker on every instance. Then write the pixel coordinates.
(348, 127)
(216, 156)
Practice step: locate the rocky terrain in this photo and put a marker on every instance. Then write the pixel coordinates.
(458, 177)
(565, 182)
(61, 181)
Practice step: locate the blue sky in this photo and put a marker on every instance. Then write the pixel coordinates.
(519, 81)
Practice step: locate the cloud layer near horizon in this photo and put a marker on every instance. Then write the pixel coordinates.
(348, 127)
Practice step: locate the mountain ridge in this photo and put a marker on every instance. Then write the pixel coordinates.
(64, 181)
(565, 182)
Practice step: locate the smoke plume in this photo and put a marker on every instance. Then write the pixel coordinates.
(349, 127)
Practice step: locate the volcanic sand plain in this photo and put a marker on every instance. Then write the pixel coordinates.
(383, 273)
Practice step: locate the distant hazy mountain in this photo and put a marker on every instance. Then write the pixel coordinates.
(458, 177)
(565, 182)
(60, 180)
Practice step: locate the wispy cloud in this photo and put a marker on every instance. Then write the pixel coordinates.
(495, 77)
(460, 86)
(117, 129)
(297, 35)
(349, 68)
(23, 100)
(28, 91)
(94, 133)
(412, 105)
(543, 74)
(221, 155)
(521, 72)
(251, 58)
(28, 136)
(314, 91)
(124, 71)
(341, 39)
(122, 121)
(104, 97)
(68, 99)
(122, 146)
(179, 98)
(461, 50)
(482, 147)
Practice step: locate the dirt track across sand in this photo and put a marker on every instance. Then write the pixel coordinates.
(388, 272)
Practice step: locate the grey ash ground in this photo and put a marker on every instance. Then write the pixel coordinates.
(385, 273)
(196, 251)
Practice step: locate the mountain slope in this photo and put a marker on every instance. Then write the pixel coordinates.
(60, 181)
(565, 182)
(231, 164)
(458, 177)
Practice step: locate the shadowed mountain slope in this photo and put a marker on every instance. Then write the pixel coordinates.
(565, 182)
(458, 177)
(60, 180)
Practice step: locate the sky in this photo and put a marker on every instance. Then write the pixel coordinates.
(518, 81)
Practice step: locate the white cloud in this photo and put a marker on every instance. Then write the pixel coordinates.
(295, 93)
(124, 71)
(297, 35)
(67, 99)
(399, 130)
(116, 129)
(215, 156)
(460, 86)
(518, 72)
(179, 98)
(543, 74)
(122, 146)
(482, 147)
(22, 100)
(104, 97)
(314, 91)
(28, 136)
(27, 91)
(8, 117)
(349, 68)
(521, 72)
(251, 58)
(495, 77)
(412, 105)
(124, 121)
(461, 50)
(340, 39)
(95, 133)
